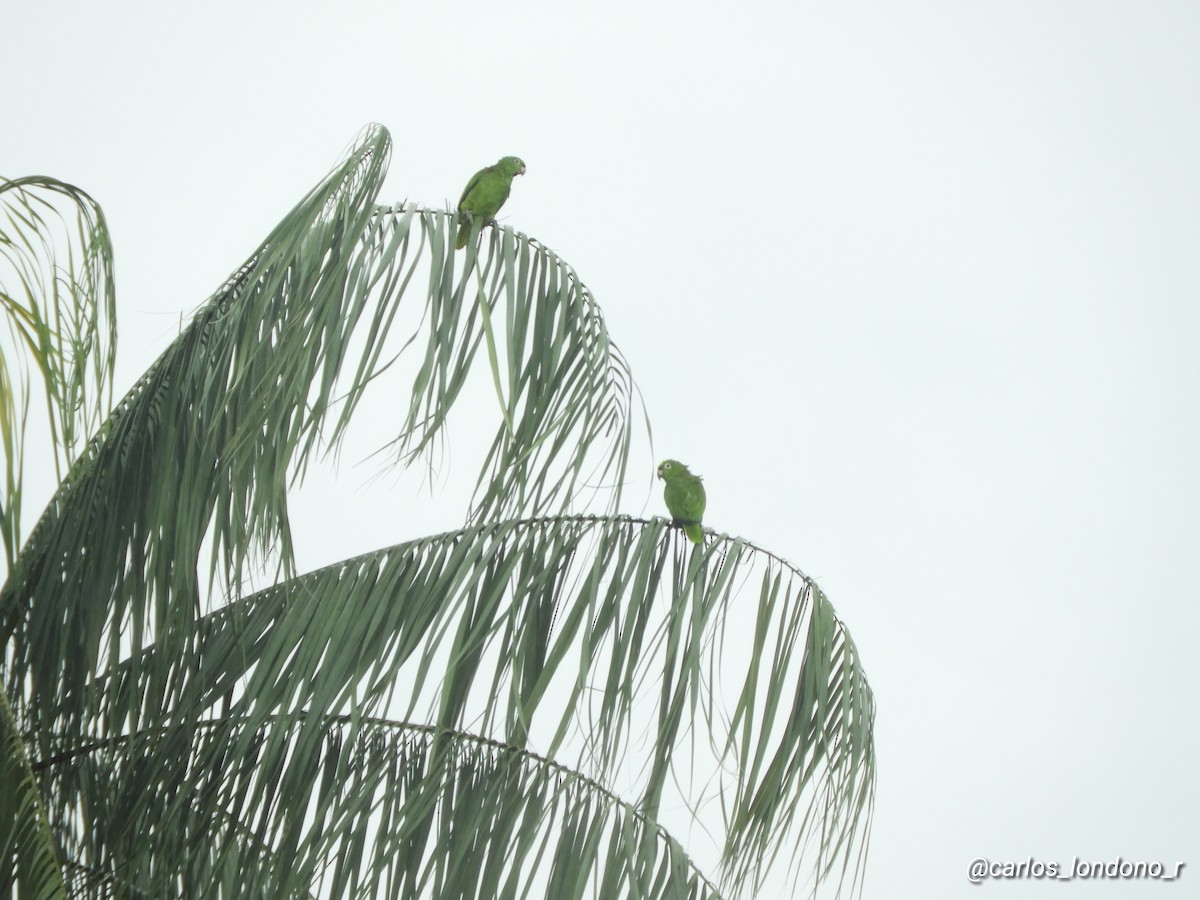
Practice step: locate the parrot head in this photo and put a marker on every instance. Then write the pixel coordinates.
(512, 165)
(669, 468)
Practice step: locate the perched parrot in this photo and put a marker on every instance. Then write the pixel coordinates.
(685, 497)
(485, 193)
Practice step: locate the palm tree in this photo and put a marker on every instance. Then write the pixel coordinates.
(540, 702)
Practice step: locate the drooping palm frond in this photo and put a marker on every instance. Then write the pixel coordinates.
(28, 852)
(202, 447)
(388, 810)
(202, 440)
(564, 388)
(563, 636)
(58, 301)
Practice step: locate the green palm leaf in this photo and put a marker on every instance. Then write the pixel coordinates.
(27, 848)
(58, 300)
(486, 622)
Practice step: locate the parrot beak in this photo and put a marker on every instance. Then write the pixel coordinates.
(521, 171)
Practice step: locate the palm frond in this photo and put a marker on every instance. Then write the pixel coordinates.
(385, 810)
(557, 636)
(27, 846)
(564, 389)
(59, 303)
(203, 446)
(203, 439)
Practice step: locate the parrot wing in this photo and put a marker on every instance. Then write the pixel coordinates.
(685, 498)
(484, 195)
(475, 179)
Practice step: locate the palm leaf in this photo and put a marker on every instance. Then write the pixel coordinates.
(388, 810)
(58, 300)
(555, 634)
(201, 448)
(27, 848)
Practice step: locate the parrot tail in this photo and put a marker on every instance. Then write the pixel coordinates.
(694, 532)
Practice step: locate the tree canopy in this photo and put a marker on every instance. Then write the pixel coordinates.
(555, 698)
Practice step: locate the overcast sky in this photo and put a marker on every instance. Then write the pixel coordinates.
(914, 286)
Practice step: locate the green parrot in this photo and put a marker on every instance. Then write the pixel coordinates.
(485, 193)
(685, 497)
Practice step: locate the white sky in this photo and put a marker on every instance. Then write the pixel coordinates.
(915, 287)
